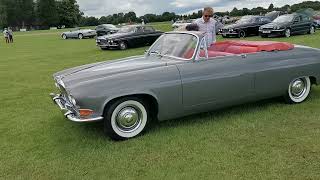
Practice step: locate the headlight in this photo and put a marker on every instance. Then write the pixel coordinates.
(231, 30)
(277, 27)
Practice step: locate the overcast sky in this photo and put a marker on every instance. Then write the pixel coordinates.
(141, 7)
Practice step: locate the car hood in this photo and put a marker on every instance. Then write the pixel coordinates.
(274, 24)
(114, 36)
(234, 26)
(94, 71)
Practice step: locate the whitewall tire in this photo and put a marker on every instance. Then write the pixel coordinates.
(126, 118)
(298, 90)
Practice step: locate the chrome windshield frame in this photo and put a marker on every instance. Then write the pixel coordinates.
(175, 57)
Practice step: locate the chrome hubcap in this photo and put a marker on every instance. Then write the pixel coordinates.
(128, 118)
(312, 30)
(123, 46)
(298, 88)
(288, 32)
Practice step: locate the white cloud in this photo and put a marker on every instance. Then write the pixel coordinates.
(140, 7)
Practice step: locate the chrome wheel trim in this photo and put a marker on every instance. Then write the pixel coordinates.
(123, 46)
(64, 36)
(312, 30)
(129, 119)
(80, 36)
(242, 34)
(299, 89)
(288, 33)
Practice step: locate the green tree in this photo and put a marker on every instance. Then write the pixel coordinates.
(69, 13)
(47, 13)
(271, 7)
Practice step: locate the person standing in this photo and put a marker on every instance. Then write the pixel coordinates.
(6, 35)
(208, 25)
(10, 35)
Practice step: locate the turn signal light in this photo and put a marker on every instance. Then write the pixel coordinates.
(85, 112)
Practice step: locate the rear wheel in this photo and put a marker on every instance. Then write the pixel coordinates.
(126, 118)
(312, 30)
(298, 90)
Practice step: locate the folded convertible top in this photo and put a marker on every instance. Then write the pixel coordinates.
(238, 47)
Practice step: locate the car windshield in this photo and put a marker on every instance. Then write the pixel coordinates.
(110, 26)
(126, 29)
(246, 19)
(284, 18)
(176, 45)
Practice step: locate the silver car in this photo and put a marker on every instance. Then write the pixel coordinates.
(79, 33)
(179, 76)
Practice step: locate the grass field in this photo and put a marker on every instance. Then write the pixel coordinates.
(263, 140)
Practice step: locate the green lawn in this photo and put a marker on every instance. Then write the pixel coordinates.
(263, 140)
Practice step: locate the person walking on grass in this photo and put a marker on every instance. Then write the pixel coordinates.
(10, 35)
(6, 35)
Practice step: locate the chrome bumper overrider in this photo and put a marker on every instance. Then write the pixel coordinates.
(69, 111)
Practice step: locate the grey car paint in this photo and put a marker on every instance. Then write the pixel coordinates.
(182, 87)
(75, 33)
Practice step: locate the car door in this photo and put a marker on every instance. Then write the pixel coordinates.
(296, 26)
(305, 23)
(137, 38)
(150, 35)
(208, 83)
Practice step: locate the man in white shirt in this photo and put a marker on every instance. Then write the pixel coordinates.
(6, 35)
(208, 24)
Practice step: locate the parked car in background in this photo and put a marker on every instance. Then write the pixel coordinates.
(180, 76)
(105, 29)
(287, 25)
(181, 23)
(274, 14)
(79, 33)
(246, 26)
(129, 36)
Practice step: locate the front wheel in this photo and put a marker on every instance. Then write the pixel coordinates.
(64, 36)
(242, 34)
(126, 118)
(80, 36)
(123, 45)
(298, 90)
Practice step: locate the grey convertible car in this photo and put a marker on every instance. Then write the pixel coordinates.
(179, 76)
(79, 33)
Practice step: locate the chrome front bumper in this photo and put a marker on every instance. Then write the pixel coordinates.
(69, 111)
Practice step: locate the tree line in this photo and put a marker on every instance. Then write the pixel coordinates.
(42, 14)
(39, 14)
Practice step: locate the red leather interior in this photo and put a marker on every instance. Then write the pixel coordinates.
(224, 48)
(239, 47)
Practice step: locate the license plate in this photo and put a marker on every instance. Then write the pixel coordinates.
(224, 34)
(266, 32)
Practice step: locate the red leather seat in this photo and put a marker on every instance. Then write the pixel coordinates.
(224, 48)
(259, 45)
